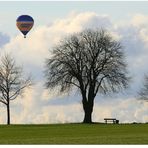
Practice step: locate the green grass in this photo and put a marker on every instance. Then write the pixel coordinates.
(74, 134)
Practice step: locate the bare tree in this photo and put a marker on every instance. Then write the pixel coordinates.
(12, 81)
(91, 61)
(143, 94)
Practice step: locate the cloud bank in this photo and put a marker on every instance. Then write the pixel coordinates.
(36, 106)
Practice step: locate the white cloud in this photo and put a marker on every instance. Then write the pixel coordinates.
(35, 48)
(31, 111)
(126, 110)
(36, 107)
(139, 20)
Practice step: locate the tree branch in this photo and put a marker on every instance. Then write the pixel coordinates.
(95, 92)
(3, 102)
(73, 84)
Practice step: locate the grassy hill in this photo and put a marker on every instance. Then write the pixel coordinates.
(74, 134)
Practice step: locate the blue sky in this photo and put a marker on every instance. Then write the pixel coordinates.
(126, 21)
(47, 11)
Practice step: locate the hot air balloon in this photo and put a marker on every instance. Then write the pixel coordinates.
(24, 24)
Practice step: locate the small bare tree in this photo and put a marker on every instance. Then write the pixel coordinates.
(143, 94)
(12, 81)
(92, 61)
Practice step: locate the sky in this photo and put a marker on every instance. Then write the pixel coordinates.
(47, 11)
(126, 21)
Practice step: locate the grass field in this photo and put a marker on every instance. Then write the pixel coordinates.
(74, 134)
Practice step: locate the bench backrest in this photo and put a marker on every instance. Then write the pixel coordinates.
(109, 119)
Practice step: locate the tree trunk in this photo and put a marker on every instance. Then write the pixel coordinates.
(88, 109)
(87, 117)
(8, 114)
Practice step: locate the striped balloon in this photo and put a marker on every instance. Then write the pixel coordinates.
(24, 24)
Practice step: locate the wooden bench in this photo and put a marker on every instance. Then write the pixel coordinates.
(113, 120)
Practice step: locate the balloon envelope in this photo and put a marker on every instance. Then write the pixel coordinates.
(24, 23)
